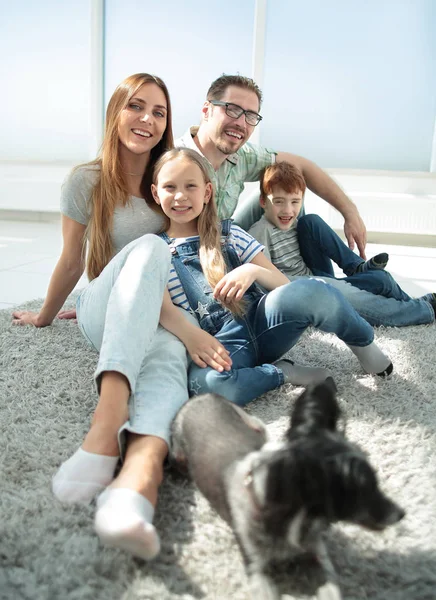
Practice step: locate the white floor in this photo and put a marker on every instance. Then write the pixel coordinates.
(29, 251)
(28, 254)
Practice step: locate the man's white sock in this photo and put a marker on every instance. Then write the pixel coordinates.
(124, 520)
(83, 476)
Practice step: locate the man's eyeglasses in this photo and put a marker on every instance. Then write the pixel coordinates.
(235, 111)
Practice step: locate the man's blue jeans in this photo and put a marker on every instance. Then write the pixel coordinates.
(270, 328)
(375, 295)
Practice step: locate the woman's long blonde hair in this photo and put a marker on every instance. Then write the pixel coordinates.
(111, 188)
(209, 227)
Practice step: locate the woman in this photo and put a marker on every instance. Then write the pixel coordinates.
(140, 364)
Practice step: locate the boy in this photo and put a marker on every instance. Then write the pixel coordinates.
(303, 247)
(282, 188)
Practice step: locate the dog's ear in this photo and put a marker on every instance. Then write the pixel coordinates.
(331, 384)
(316, 408)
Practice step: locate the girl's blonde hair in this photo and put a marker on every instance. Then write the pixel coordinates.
(111, 188)
(209, 228)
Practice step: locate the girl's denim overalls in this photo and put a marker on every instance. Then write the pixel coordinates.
(272, 323)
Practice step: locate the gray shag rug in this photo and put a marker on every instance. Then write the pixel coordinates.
(50, 552)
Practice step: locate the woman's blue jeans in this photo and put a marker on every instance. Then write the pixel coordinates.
(118, 313)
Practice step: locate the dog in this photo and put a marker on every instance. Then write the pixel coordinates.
(280, 497)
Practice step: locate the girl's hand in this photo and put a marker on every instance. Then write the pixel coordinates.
(205, 350)
(68, 314)
(26, 317)
(236, 283)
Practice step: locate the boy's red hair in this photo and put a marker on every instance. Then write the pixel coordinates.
(284, 175)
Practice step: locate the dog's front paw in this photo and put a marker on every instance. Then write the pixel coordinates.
(262, 587)
(329, 591)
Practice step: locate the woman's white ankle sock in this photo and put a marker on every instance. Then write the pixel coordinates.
(124, 520)
(373, 360)
(83, 476)
(299, 375)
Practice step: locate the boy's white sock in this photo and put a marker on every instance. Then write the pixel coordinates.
(83, 476)
(124, 520)
(299, 375)
(373, 360)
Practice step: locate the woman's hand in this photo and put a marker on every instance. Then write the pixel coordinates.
(68, 314)
(234, 284)
(205, 350)
(26, 317)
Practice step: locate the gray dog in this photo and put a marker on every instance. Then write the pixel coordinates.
(280, 497)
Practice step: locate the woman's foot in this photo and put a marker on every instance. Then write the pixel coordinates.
(125, 510)
(103, 439)
(83, 476)
(92, 467)
(124, 520)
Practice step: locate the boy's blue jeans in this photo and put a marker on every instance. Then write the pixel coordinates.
(270, 328)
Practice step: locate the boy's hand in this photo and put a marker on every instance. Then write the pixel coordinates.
(205, 350)
(236, 283)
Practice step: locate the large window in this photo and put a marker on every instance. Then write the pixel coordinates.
(351, 84)
(46, 70)
(188, 44)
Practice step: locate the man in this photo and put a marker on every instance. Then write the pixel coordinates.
(230, 114)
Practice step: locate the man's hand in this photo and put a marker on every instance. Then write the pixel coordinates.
(205, 350)
(355, 232)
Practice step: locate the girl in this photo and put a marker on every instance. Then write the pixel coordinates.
(103, 202)
(215, 274)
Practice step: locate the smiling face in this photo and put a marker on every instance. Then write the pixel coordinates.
(282, 207)
(143, 121)
(228, 134)
(182, 192)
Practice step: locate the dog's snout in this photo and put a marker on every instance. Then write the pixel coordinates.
(396, 514)
(386, 513)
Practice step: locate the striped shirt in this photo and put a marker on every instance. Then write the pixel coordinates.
(245, 165)
(285, 252)
(281, 247)
(245, 245)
